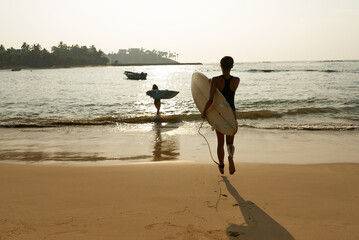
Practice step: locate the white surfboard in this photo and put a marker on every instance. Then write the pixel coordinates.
(220, 114)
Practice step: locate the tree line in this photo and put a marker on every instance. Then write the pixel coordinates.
(141, 56)
(60, 56)
(35, 56)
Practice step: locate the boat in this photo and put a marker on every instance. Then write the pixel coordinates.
(135, 76)
(15, 69)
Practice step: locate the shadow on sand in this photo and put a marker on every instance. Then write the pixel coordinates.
(259, 225)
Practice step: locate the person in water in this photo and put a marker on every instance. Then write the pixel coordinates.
(157, 101)
(227, 85)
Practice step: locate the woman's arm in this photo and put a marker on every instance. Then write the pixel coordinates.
(212, 90)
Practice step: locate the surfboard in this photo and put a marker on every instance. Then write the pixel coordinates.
(220, 114)
(161, 94)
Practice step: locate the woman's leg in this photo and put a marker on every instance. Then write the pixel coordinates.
(158, 105)
(230, 148)
(220, 150)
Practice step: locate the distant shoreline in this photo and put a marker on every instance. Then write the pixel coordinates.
(152, 64)
(109, 65)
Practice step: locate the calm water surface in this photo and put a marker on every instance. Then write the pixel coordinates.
(278, 95)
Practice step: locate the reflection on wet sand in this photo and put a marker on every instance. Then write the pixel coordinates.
(32, 157)
(165, 147)
(141, 143)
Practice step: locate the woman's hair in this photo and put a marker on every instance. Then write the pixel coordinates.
(227, 63)
(154, 87)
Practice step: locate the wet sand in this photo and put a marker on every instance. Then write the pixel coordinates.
(131, 143)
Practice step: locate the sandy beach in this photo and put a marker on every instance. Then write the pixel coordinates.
(179, 201)
(160, 183)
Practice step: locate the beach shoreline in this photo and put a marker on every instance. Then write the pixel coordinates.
(179, 200)
(156, 142)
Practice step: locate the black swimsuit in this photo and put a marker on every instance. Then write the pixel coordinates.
(228, 93)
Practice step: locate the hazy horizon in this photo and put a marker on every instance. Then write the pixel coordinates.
(199, 31)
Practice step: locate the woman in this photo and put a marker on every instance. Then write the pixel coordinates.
(227, 85)
(157, 101)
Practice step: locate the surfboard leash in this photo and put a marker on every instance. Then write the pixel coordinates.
(209, 147)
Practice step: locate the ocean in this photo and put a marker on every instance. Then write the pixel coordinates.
(320, 96)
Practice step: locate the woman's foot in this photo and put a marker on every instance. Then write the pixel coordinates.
(221, 168)
(232, 168)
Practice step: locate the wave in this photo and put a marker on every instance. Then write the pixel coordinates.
(243, 124)
(312, 111)
(262, 114)
(108, 120)
(331, 61)
(293, 70)
(325, 71)
(36, 123)
(266, 70)
(308, 127)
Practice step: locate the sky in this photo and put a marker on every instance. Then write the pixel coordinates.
(198, 30)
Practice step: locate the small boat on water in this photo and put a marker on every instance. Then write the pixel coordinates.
(135, 76)
(15, 69)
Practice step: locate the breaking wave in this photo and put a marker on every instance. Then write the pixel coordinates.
(108, 120)
(287, 70)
